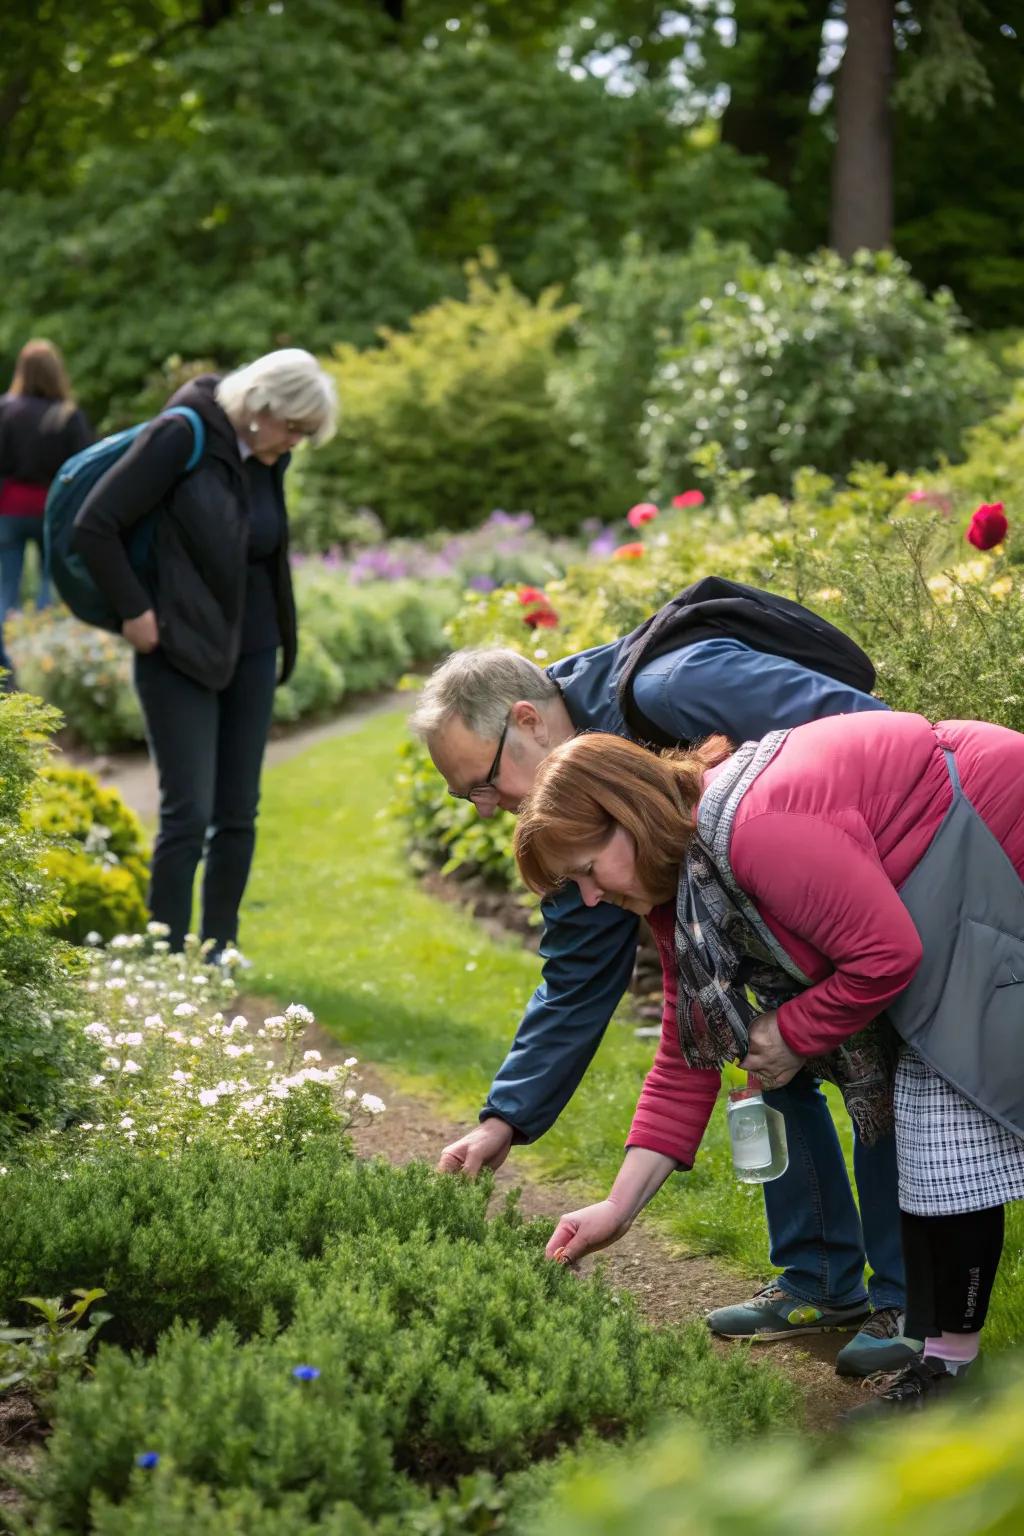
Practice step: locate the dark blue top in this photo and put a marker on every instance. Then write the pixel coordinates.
(588, 952)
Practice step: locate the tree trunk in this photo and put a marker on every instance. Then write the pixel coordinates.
(862, 196)
(767, 111)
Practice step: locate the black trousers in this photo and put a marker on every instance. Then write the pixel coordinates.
(208, 749)
(951, 1264)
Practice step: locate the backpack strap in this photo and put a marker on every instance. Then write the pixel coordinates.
(195, 421)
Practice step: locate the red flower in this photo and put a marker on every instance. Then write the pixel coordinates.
(988, 527)
(541, 618)
(531, 595)
(643, 512)
(628, 552)
(689, 499)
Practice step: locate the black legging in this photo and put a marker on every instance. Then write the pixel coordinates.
(951, 1264)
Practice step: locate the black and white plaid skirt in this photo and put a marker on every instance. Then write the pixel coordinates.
(952, 1156)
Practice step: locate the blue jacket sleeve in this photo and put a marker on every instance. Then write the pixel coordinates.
(588, 959)
(723, 685)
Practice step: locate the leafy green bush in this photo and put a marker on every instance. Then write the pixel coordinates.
(631, 309)
(43, 1056)
(316, 685)
(817, 362)
(436, 1343)
(99, 854)
(454, 414)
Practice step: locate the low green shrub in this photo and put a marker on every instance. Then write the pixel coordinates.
(369, 1328)
(816, 361)
(99, 855)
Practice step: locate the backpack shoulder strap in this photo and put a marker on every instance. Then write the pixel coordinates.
(195, 421)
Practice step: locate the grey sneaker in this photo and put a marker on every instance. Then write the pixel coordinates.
(774, 1314)
(879, 1346)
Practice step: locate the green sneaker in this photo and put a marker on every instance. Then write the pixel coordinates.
(774, 1314)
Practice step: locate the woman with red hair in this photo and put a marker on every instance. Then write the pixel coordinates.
(863, 878)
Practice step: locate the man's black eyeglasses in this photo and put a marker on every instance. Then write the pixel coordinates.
(487, 785)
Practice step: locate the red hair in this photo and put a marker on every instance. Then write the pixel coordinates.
(590, 785)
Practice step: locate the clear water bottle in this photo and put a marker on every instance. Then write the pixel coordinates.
(757, 1135)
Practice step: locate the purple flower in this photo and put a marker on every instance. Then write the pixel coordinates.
(482, 583)
(147, 1459)
(602, 546)
(306, 1372)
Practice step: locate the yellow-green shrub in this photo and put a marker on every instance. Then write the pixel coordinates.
(96, 852)
(445, 421)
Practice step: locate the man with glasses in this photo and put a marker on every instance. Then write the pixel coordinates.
(489, 717)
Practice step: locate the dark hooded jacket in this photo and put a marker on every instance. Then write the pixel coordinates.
(196, 579)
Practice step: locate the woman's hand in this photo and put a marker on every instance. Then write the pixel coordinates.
(142, 633)
(585, 1231)
(769, 1057)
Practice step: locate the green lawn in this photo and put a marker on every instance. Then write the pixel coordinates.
(333, 920)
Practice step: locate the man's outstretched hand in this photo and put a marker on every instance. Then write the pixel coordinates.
(486, 1146)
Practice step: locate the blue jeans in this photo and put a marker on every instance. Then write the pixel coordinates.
(15, 534)
(816, 1236)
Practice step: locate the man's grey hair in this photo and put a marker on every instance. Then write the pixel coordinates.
(479, 686)
(290, 384)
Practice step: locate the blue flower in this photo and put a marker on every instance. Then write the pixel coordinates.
(306, 1372)
(147, 1459)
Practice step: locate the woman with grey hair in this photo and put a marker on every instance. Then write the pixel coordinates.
(208, 611)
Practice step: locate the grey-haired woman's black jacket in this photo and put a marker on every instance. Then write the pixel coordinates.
(196, 579)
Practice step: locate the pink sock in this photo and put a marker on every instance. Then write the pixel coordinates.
(955, 1350)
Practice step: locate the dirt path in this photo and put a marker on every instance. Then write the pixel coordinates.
(671, 1286)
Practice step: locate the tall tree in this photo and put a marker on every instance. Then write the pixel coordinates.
(862, 167)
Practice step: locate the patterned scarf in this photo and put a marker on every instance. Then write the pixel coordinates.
(732, 968)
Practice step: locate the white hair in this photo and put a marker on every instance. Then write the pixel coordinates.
(479, 686)
(290, 385)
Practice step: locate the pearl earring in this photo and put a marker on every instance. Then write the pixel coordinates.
(254, 427)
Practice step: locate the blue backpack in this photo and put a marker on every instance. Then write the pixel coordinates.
(74, 480)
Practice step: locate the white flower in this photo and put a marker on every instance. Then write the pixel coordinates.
(274, 1028)
(86, 1125)
(126, 1122)
(131, 1066)
(311, 1056)
(299, 1014)
(229, 955)
(153, 1021)
(208, 1096)
(351, 1061)
(196, 1040)
(157, 930)
(350, 1094)
(239, 1022)
(152, 1130)
(112, 1063)
(177, 1036)
(181, 1077)
(372, 1104)
(133, 1037)
(92, 938)
(97, 1032)
(185, 1011)
(236, 1050)
(97, 1081)
(116, 983)
(161, 947)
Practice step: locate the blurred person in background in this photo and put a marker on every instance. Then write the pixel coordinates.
(40, 427)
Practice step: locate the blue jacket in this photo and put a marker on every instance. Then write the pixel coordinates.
(588, 952)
